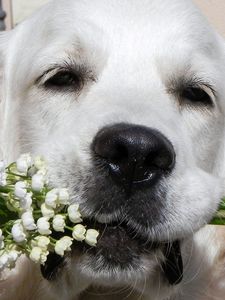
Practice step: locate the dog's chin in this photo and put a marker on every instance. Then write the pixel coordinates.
(120, 255)
(119, 244)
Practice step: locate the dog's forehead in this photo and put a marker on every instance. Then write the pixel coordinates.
(135, 32)
(117, 22)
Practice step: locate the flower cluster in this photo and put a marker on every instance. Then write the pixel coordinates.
(31, 213)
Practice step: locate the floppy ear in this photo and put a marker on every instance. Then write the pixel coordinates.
(221, 161)
(4, 103)
(2, 100)
(7, 110)
(219, 134)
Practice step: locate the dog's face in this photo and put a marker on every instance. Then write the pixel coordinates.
(126, 102)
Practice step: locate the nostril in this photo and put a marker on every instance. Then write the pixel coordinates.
(160, 160)
(111, 151)
(119, 153)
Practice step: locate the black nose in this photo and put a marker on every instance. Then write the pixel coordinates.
(134, 155)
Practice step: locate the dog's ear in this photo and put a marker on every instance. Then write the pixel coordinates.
(4, 93)
(219, 134)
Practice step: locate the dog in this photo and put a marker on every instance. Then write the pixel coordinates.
(126, 101)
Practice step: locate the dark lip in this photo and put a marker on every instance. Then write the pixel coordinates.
(123, 229)
(117, 246)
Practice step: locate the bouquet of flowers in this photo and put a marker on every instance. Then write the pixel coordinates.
(31, 212)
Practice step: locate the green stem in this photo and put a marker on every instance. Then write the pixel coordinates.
(17, 175)
(4, 189)
(69, 228)
(53, 240)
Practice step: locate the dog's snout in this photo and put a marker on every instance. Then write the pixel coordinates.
(135, 155)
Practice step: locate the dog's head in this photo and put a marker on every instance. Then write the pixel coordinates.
(125, 99)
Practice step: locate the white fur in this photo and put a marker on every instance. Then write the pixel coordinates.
(133, 48)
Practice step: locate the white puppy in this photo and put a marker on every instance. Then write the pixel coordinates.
(126, 100)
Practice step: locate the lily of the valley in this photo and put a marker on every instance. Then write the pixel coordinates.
(58, 223)
(28, 221)
(39, 162)
(23, 163)
(26, 202)
(38, 255)
(91, 237)
(79, 232)
(62, 245)
(3, 261)
(20, 189)
(2, 244)
(12, 258)
(43, 226)
(47, 211)
(41, 242)
(18, 232)
(74, 214)
(37, 182)
(2, 166)
(51, 198)
(57, 197)
(3, 177)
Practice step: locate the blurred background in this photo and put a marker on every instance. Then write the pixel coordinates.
(18, 10)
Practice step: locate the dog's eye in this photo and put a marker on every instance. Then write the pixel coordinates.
(197, 95)
(64, 79)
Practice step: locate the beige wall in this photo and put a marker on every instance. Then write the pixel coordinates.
(7, 6)
(23, 8)
(215, 11)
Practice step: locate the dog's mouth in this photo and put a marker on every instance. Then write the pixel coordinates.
(122, 246)
(119, 246)
(119, 236)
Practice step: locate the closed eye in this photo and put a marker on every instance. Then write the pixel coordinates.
(194, 92)
(65, 77)
(197, 95)
(64, 80)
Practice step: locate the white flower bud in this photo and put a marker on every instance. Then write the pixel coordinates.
(51, 198)
(2, 244)
(26, 202)
(41, 242)
(20, 189)
(39, 162)
(4, 261)
(28, 221)
(38, 255)
(42, 172)
(74, 214)
(47, 211)
(2, 166)
(3, 177)
(63, 196)
(12, 258)
(37, 182)
(79, 232)
(91, 237)
(58, 223)
(44, 255)
(23, 163)
(35, 254)
(63, 245)
(43, 226)
(18, 232)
